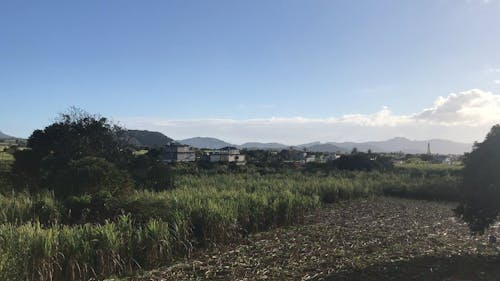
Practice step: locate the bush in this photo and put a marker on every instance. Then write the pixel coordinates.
(148, 172)
(91, 175)
(95, 208)
(363, 162)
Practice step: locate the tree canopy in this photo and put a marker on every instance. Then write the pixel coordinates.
(82, 153)
(480, 204)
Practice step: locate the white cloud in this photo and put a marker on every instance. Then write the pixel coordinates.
(496, 81)
(466, 108)
(465, 116)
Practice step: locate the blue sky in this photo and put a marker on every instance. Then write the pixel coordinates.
(176, 66)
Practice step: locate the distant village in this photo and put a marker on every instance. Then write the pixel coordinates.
(175, 152)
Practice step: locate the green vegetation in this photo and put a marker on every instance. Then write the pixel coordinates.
(5, 155)
(78, 203)
(480, 203)
(431, 168)
(80, 145)
(140, 152)
(150, 228)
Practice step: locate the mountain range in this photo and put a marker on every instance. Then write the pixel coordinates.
(144, 138)
(398, 144)
(213, 143)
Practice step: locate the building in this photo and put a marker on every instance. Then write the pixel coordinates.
(331, 157)
(228, 155)
(309, 158)
(175, 152)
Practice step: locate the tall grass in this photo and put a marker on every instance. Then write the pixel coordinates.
(32, 252)
(19, 208)
(157, 227)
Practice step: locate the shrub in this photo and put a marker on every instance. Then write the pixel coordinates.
(91, 175)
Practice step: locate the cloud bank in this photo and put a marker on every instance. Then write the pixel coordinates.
(466, 117)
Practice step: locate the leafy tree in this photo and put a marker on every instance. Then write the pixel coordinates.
(363, 162)
(52, 152)
(480, 204)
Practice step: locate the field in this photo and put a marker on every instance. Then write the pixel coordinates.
(5, 156)
(6, 159)
(377, 239)
(150, 229)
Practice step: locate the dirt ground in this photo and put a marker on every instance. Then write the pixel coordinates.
(375, 239)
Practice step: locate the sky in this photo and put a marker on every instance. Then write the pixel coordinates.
(289, 71)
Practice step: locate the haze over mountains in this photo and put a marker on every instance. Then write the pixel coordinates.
(156, 139)
(392, 145)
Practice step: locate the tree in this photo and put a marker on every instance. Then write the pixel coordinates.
(75, 135)
(363, 162)
(480, 204)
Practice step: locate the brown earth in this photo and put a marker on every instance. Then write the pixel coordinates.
(376, 239)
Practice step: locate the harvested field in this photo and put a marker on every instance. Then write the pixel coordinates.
(376, 239)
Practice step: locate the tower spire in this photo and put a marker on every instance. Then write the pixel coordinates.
(429, 148)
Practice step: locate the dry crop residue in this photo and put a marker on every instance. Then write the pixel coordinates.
(376, 239)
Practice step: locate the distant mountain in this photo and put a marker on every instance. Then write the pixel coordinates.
(392, 145)
(409, 146)
(205, 142)
(260, 145)
(309, 144)
(4, 136)
(360, 146)
(147, 138)
(324, 147)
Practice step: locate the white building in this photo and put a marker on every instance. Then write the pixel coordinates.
(228, 155)
(175, 152)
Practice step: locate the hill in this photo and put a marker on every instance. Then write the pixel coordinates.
(147, 138)
(205, 142)
(4, 136)
(324, 147)
(260, 145)
(392, 145)
(410, 146)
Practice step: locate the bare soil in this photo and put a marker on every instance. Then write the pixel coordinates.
(375, 239)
